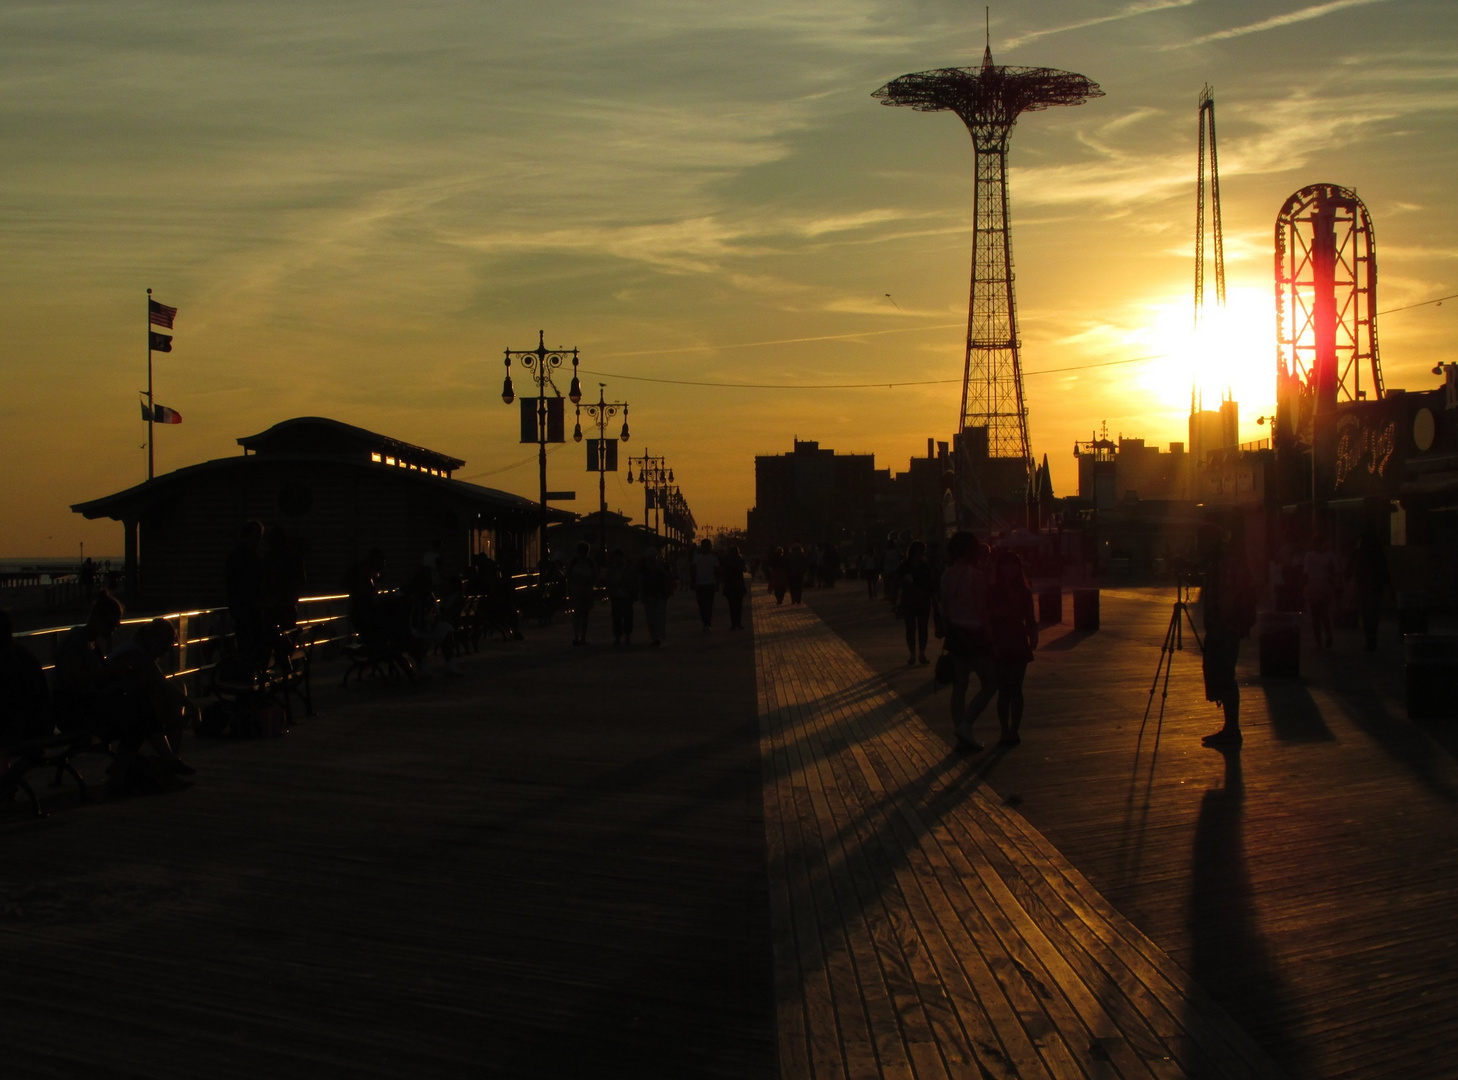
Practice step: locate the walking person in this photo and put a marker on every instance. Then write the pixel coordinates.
(918, 588)
(1228, 600)
(581, 583)
(706, 581)
(964, 609)
(795, 565)
(777, 569)
(870, 571)
(657, 585)
(731, 569)
(621, 579)
(1014, 630)
(890, 564)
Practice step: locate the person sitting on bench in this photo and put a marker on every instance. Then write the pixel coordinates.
(150, 702)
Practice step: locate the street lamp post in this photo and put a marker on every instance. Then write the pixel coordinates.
(547, 425)
(598, 456)
(655, 476)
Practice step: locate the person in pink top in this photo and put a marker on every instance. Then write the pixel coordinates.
(964, 608)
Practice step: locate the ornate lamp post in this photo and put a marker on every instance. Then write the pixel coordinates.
(655, 476)
(602, 453)
(542, 417)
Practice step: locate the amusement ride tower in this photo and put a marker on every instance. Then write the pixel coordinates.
(989, 99)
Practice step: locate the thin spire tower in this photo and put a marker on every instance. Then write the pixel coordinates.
(1207, 129)
(989, 99)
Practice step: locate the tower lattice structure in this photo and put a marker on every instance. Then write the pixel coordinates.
(989, 99)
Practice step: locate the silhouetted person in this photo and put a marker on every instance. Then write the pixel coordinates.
(428, 628)
(150, 704)
(732, 571)
(245, 593)
(891, 560)
(657, 585)
(1228, 600)
(964, 607)
(82, 682)
(870, 567)
(777, 571)
(25, 698)
(706, 581)
(1322, 579)
(284, 580)
(917, 589)
(581, 583)
(1013, 627)
(795, 567)
(621, 579)
(1369, 566)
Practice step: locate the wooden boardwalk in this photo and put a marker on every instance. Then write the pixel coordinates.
(550, 868)
(750, 855)
(1309, 883)
(922, 929)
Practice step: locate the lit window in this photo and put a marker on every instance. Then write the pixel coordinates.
(376, 457)
(389, 461)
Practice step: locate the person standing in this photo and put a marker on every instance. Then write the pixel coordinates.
(1014, 630)
(706, 581)
(657, 585)
(964, 607)
(918, 587)
(581, 584)
(1228, 600)
(1322, 573)
(795, 565)
(244, 588)
(870, 570)
(1369, 565)
(732, 571)
(621, 579)
(777, 569)
(890, 564)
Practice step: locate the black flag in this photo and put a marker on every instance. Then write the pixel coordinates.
(159, 342)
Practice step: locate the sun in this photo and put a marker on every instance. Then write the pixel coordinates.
(1233, 353)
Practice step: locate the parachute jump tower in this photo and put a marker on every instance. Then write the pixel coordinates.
(989, 99)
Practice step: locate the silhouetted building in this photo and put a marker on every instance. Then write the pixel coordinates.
(812, 495)
(334, 490)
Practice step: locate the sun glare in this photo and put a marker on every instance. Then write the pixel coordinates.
(1234, 351)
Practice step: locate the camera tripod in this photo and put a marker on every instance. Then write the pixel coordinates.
(1174, 641)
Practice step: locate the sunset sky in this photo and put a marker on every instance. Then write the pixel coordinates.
(357, 205)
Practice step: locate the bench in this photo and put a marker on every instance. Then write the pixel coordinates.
(47, 752)
(377, 657)
(286, 676)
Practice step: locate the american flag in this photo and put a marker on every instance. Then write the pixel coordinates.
(160, 314)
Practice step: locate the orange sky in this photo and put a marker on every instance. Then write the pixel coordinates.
(357, 208)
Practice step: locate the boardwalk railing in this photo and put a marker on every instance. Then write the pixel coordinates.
(203, 635)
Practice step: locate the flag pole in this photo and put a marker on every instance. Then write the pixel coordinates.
(151, 412)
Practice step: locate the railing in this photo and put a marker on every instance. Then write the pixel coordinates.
(202, 634)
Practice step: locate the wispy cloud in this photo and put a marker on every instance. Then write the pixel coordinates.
(1145, 7)
(1275, 22)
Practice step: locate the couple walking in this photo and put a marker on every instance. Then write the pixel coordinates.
(991, 631)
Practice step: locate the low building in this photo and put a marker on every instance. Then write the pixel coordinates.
(328, 491)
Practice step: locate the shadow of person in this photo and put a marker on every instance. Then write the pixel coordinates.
(1229, 956)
